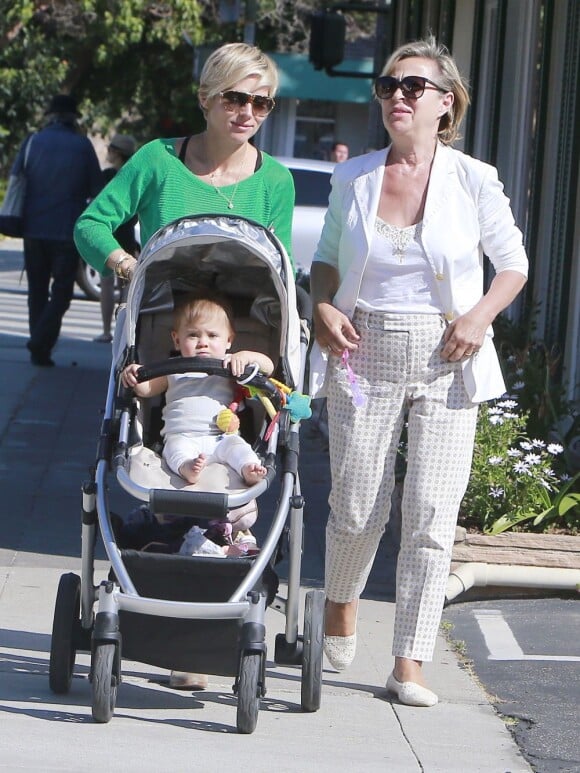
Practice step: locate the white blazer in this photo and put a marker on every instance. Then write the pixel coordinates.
(466, 215)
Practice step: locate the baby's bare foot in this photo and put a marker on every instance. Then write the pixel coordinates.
(253, 473)
(191, 470)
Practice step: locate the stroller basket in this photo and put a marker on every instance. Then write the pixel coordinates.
(206, 646)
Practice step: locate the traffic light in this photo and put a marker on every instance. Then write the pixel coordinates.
(327, 38)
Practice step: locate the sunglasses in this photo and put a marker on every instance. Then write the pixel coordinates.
(412, 86)
(235, 100)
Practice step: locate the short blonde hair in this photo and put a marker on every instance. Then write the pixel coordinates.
(207, 304)
(233, 63)
(450, 80)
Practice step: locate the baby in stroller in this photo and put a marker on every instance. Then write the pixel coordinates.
(199, 425)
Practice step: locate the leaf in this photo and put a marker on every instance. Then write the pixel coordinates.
(567, 503)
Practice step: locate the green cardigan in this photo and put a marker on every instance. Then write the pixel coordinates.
(156, 186)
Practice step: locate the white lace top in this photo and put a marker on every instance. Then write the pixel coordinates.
(397, 277)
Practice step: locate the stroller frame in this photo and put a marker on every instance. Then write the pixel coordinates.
(218, 240)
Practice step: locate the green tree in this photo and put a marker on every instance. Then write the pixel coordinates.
(128, 61)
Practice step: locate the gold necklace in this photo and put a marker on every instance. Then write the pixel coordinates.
(230, 201)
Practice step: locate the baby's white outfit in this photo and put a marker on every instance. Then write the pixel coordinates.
(193, 401)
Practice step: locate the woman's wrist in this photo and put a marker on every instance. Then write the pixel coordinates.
(122, 264)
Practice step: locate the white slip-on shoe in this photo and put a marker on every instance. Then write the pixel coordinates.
(411, 693)
(340, 650)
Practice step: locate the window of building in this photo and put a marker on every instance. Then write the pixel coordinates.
(315, 122)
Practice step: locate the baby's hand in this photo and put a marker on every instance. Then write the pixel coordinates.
(129, 376)
(238, 362)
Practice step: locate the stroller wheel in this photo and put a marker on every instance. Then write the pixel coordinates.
(104, 682)
(249, 692)
(313, 640)
(65, 633)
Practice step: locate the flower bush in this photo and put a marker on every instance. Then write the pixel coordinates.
(524, 474)
(515, 480)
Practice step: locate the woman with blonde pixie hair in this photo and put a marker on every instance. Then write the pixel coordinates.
(217, 171)
(400, 308)
(233, 63)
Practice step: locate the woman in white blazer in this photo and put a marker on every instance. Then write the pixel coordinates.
(403, 326)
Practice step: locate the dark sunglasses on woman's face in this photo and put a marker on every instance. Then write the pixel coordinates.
(412, 86)
(234, 100)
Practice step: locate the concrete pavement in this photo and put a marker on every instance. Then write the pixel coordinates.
(49, 420)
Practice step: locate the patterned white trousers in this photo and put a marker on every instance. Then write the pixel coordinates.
(398, 367)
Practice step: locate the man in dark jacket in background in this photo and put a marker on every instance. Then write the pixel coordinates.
(62, 174)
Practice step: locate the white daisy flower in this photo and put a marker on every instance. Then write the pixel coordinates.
(538, 443)
(496, 492)
(526, 445)
(554, 448)
(495, 460)
(521, 467)
(532, 458)
(514, 453)
(518, 385)
(508, 404)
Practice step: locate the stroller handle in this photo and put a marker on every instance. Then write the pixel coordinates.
(212, 367)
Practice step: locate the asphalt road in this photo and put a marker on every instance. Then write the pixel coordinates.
(526, 654)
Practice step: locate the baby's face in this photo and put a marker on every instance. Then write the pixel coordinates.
(203, 336)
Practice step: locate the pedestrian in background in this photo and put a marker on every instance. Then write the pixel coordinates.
(62, 174)
(120, 150)
(339, 152)
(400, 308)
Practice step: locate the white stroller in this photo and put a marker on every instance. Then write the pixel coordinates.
(196, 612)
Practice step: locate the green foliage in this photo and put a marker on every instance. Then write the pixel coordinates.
(515, 480)
(129, 63)
(523, 474)
(533, 375)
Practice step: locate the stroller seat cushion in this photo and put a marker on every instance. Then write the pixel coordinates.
(149, 470)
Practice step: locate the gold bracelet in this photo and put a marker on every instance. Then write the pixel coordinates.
(117, 268)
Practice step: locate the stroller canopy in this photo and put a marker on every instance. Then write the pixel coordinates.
(232, 255)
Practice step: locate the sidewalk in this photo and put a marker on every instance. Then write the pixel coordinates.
(49, 421)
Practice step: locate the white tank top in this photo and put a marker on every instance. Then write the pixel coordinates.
(397, 277)
(193, 401)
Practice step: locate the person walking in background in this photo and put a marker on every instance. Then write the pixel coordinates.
(62, 174)
(120, 149)
(339, 152)
(400, 310)
(217, 171)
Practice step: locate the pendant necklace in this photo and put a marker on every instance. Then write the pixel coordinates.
(400, 238)
(230, 201)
